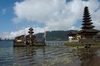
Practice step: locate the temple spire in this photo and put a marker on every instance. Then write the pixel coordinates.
(87, 24)
(30, 35)
(88, 30)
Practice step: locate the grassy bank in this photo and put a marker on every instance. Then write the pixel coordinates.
(74, 44)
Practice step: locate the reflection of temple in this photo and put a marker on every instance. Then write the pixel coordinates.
(29, 56)
(89, 58)
(30, 40)
(87, 31)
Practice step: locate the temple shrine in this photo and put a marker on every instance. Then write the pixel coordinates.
(87, 32)
(28, 40)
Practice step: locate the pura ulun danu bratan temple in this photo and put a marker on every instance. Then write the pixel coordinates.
(87, 30)
(28, 40)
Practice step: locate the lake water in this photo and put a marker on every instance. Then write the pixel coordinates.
(51, 55)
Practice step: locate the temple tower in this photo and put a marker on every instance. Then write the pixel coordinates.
(31, 35)
(88, 30)
(44, 37)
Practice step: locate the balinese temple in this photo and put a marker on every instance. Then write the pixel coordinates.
(74, 36)
(28, 40)
(87, 30)
(30, 36)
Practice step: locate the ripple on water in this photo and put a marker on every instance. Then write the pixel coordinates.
(48, 55)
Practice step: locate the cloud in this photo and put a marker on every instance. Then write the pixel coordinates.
(74, 28)
(24, 31)
(56, 14)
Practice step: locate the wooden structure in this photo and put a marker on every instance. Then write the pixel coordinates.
(74, 36)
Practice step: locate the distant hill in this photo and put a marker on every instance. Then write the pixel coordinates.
(0, 39)
(55, 35)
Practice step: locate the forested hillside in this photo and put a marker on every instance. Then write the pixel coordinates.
(55, 35)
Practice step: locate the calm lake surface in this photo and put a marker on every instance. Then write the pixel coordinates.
(55, 55)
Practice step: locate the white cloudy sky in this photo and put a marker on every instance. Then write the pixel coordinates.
(53, 14)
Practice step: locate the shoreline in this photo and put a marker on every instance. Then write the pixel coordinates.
(81, 45)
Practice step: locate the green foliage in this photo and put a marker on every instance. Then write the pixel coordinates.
(39, 36)
(82, 43)
(72, 43)
(55, 35)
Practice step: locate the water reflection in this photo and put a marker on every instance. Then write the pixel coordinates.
(48, 56)
(88, 58)
(29, 55)
(25, 55)
(39, 55)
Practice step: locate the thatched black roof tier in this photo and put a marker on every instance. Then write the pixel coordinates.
(86, 18)
(87, 27)
(72, 33)
(87, 23)
(31, 28)
(30, 32)
(88, 31)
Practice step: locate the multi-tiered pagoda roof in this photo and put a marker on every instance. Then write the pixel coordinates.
(31, 30)
(87, 26)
